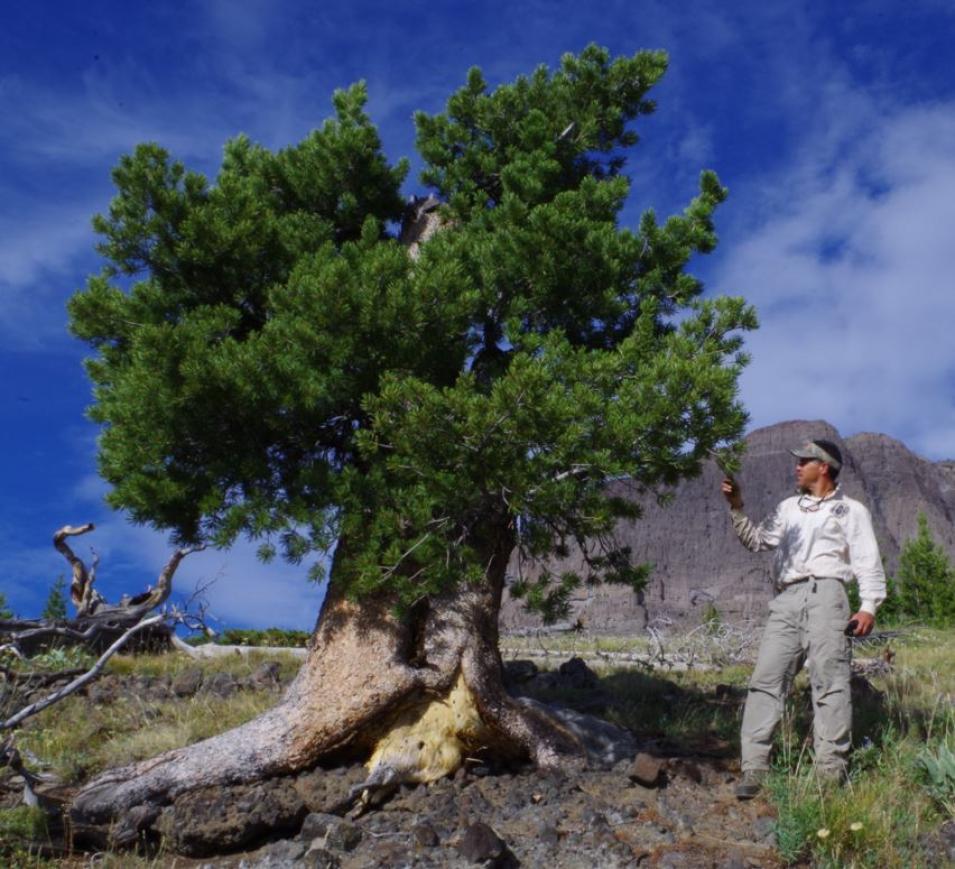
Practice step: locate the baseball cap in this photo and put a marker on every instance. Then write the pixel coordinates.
(825, 451)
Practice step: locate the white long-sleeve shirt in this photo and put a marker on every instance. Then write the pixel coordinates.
(822, 537)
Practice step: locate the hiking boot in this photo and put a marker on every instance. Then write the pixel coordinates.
(751, 783)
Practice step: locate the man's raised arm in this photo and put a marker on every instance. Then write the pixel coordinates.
(754, 537)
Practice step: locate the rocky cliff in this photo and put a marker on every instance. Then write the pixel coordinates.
(696, 557)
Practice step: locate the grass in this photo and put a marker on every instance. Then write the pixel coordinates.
(173, 664)
(711, 645)
(571, 643)
(25, 842)
(682, 708)
(76, 740)
(888, 811)
(886, 814)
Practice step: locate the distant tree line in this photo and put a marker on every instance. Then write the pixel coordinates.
(53, 610)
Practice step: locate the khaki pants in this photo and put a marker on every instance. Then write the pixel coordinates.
(806, 620)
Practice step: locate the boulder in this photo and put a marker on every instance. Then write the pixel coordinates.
(218, 820)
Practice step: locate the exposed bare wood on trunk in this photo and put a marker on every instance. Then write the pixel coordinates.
(422, 221)
(530, 731)
(353, 674)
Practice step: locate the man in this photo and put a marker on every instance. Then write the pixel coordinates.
(823, 540)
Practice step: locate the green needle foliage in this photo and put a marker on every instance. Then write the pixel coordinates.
(926, 579)
(5, 611)
(55, 607)
(270, 362)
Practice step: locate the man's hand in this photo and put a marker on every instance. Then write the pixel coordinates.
(865, 622)
(732, 493)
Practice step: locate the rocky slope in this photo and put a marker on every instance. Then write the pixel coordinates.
(658, 801)
(665, 801)
(696, 557)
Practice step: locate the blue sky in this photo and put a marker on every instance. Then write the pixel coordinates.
(833, 125)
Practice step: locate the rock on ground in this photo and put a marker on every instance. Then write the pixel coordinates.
(486, 817)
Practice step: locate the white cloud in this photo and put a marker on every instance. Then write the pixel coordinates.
(851, 276)
(40, 250)
(112, 110)
(76, 136)
(35, 244)
(89, 489)
(240, 26)
(694, 149)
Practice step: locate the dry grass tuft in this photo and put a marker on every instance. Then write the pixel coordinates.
(76, 739)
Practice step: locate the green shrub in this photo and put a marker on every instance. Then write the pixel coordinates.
(938, 766)
(926, 579)
(923, 589)
(22, 823)
(712, 619)
(269, 637)
(63, 658)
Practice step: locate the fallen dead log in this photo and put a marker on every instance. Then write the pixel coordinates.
(212, 650)
(97, 623)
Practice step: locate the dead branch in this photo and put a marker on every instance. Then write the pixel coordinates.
(81, 584)
(37, 680)
(10, 757)
(31, 634)
(213, 650)
(89, 602)
(79, 681)
(97, 622)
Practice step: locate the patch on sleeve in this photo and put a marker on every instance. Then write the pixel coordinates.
(840, 510)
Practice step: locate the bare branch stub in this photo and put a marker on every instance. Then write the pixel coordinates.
(81, 584)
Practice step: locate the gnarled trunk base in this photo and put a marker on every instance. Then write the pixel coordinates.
(413, 698)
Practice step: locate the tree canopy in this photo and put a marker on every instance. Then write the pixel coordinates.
(269, 361)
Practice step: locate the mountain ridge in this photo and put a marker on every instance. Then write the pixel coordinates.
(697, 558)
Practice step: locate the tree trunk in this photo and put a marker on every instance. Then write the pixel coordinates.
(411, 697)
